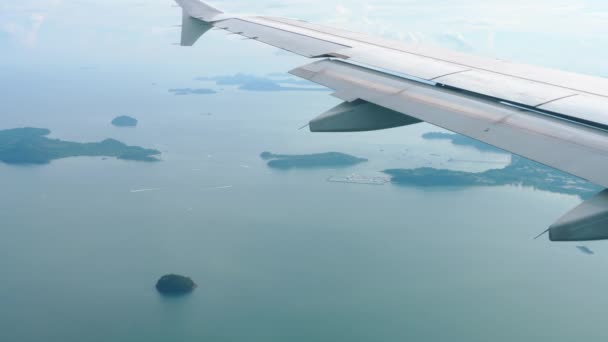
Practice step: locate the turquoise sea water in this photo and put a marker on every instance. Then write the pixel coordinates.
(278, 256)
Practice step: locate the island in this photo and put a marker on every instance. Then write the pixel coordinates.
(124, 121)
(32, 146)
(318, 160)
(521, 172)
(173, 284)
(192, 91)
(461, 140)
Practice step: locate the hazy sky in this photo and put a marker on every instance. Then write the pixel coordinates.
(561, 33)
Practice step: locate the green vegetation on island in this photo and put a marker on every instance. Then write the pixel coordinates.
(124, 121)
(521, 172)
(173, 284)
(32, 146)
(319, 160)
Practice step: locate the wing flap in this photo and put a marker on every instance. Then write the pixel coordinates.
(504, 87)
(404, 63)
(590, 109)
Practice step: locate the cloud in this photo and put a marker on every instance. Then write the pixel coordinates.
(342, 10)
(104, 31)
(26, 33)
(454, 41)
(31, 37)
(10, 28)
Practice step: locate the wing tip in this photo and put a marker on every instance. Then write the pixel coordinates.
(192, 29)
(199, 10)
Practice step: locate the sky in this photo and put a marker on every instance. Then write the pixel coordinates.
(566, 34)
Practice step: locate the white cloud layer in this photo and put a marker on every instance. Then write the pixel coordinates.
(551, 32)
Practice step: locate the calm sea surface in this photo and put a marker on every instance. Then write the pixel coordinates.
(278, 256)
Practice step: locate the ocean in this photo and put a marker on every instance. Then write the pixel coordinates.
(277, 255)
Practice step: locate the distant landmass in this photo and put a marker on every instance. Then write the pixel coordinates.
(124, 121)
(319, 160)
(173, 284)
(273, 82)
(521, 172)
(32, 146)
(192, 91)
(461, 140)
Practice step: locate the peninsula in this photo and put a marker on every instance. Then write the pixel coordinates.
(32, 146)
(521, 172)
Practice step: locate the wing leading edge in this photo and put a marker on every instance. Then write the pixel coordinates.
(553, 117)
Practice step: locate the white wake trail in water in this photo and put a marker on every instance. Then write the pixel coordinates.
(144, 190)
(218, 187)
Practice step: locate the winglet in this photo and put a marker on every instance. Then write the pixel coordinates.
(192, 29)
(199, 10)
(195, 20)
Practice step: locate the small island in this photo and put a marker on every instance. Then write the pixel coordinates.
(173, 284)
(32, 146)
(124, 121)
(318, 160)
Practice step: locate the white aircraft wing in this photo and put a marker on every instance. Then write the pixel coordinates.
(557, 118)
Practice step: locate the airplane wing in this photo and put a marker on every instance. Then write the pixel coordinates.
(557, 118)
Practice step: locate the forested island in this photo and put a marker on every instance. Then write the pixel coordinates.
(32, 146)
(124, 121)
(521, 171)
(318, 160)
(173, 284)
